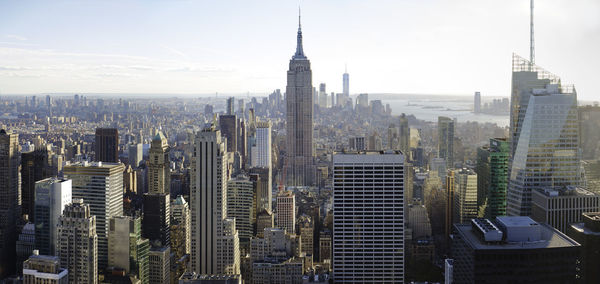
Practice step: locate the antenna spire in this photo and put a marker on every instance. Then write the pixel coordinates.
(299, 51)
(531, 38)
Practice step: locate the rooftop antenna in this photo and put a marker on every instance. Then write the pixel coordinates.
(345, 67)
(531, 38)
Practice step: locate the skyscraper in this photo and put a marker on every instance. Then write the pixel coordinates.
(544, 133)
(241, 194)
(465, 195)
(51, 197)
(208, 193)
(135, 152)
(34, 167)
(101, 186)
(346, 83)
(230, 106)
(180, 226)
(107, 145)
(78, 243)
(156, 224)
(159, 265)
(404, 135)
(286, 211)
(261, 152)
(10, 201)
(477, 103)
(492, 177)
(446, 140)
(229, 129)
(368, 240)
(299, 118)
(127, 249)
(159, 173)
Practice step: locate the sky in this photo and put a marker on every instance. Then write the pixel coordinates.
(236, 47)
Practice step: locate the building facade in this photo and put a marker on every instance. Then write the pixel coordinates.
(51, 197)
(159, 172)
(10, 201)
(560, 207)
(446, 140)
(286, 211)
(492, 177)
(107, 145)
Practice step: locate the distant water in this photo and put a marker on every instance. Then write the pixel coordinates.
(428, 108)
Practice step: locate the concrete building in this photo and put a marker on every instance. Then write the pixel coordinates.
(560, 207)
(10, 188)
(159, 265)
(277, 270)
(159, 172)
(299, 119)
(25, 244)
(587, 233)
(51, 197)
(127, 250)
(264, 219)
(44, 269)
(379, 255)
(357, 143)
(135, 154)
(107, 145)
(263, 179)
(181, 231)
(261, 152)
(306, 228)
(241, 194)
(100, 185)
(446, 140)
(78, 243)
(286, 211)
(325, 246)
(465, 195)
(544, 135)
(212, 239)
(510, 250)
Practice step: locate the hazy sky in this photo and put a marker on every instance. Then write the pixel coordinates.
(417, 46)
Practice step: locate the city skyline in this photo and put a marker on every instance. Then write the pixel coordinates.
(191, 51)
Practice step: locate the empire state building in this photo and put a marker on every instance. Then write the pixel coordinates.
(300, 170)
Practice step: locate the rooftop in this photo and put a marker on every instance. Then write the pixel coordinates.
(565, 191)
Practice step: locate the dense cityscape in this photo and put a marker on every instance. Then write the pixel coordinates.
(302, 185)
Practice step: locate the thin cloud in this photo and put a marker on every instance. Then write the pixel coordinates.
(15, 37)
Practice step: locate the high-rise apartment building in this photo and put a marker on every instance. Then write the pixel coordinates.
(107, 145)
(208, 193)
(446, 140)
(299, 118)
(492, 177)
(44, 269)
(101, 186)
(368, 240)
(465, 195)
(34, 167)
(10, 200)
(159, 172)
(544, 133)
(560, 207)
(78, 243)
(286, 211)
(127, 249)
(51, 197)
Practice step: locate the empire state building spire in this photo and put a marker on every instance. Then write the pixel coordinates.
(299, 52)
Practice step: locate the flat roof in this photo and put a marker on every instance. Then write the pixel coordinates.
(551, 238)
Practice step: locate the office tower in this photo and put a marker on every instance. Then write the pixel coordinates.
(25, 245)
(130, 180)
(306, 229)
(241, 192)
(404, 135)
(362, 101)
(325, 246)
(357, 143)
(208, 111)
(101, 186)
(107, 145)
(346, 83)
(51, 197)
(156, 224)
(275, 242)
(589, 117)
(261, 152)
(228, 248)
(78, 242)
(34, 167)
(181, 223)
(375, 142)
(241, 110)
(587, 233)
(446, 140)
(393, 142)
(10, 201)
(299, 118)
(211, 236)
(159, 265)
(135, 152)
(492, 177)
(477, 103)
(511, 250)
(242, 147)
(559, 207)
(264, 220)
(448, 271)
(264, 184)
(44, 269)
(544, 133)
(380, 255)
(229, 129)
(230, 106)
(127, 250)
(322, 97)
(159, 172)
(286, 211)
(465, 195)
